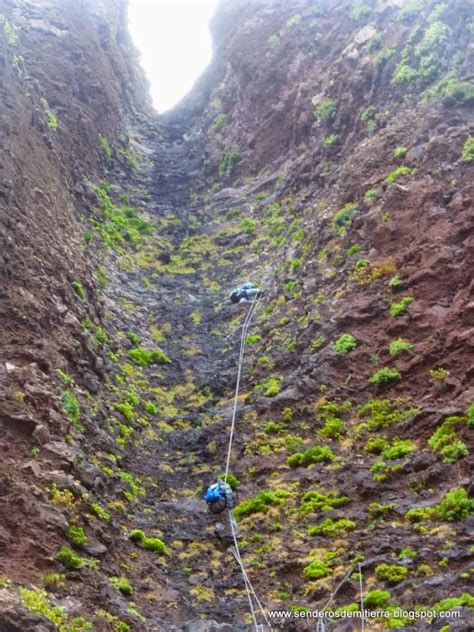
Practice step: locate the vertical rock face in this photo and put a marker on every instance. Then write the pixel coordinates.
(327, 155)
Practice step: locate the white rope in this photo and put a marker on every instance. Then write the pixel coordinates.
(362, 621)
(245, 327)
(248, 583)
(251, 594)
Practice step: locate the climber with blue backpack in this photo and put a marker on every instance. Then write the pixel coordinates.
(244, 293)
(220, 500)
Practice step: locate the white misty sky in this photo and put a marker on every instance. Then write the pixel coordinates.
(175, 44)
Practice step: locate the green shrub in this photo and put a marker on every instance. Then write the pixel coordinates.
(316, 454)
(445, 441)
(343, 216)
(455, 505)
(293, 21)
(231, 158)
(146, 357)
(369, 114)
(252, 339)
(107, 149)
(370, 193)
(395, 282)
(470, 415)
(353, 250)
(320, 567)
(376, 599)
(150, 408)
(464, 601)
(123, 585)
(273, 42)
(232, 480)
(398, 449)
(344, 344)
(150, 544)
(65, 378)
(219, 123)
(134, 338)
(398, 346)
(248, 225)
(332, 528)
(331, 139)
(272, 387)
(382, 413)
(72, 408)
(100, 512)
(455, 93)
(376, 510)
(101, 335)
(400, 152)
(468, 150)
(400, 308)
(316, 502)
(326, 110)
(382, 58)
(361, 263)
(385, 375)
(77, 536)
(261, 502)
(69, 558)
(391, 573)
(399, 172)
(437, 34)
(79, 290)
(361, 13)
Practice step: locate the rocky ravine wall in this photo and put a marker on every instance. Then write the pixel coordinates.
(325, 153)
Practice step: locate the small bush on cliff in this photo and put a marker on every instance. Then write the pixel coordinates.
(400, 308)
(316, 454)
(79, 290)
(376, 598)
(150, 544)
(330, 140)
(400, 152)
(77, 536)
(398, 346)
(397, 173)
(146, 357)
(326, 110)
(72, 408)
(332, 528)
(361, 13)
(468, 150)
(273, 42)
(123, 585)
(445, 440)
(321, 566)
(343, 216)
(385, 375)
(231, 158)
(293, 21)
(344, 344)
(219, 123)
(391, 573)
(262, 501)
(71, 560)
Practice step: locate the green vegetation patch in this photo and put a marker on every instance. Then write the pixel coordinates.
(332, 528)
(230, 160)
(321, 566)
(399, 346)
(445, 440)
(345, 343)
(149, 544)
(315, 454)
(326, 110)
(344, 215)
(261, 502)
(318, 502)
(385, 375)
(401, 307)
(397, 173)
(455, 505)
(391, 573)
(146, 357)
(468, 150)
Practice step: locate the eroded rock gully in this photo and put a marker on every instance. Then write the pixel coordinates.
(325, 154)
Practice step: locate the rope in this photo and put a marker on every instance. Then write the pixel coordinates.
(331, 597)
(362, 622)
(245, 327)
(251, 594)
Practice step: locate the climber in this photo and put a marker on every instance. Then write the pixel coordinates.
(246, 292)
(220, 499)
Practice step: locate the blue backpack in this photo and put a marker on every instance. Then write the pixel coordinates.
(213, 493)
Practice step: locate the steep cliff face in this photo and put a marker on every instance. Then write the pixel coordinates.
(327, 155)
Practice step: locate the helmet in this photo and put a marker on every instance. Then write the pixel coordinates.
(234, 297)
